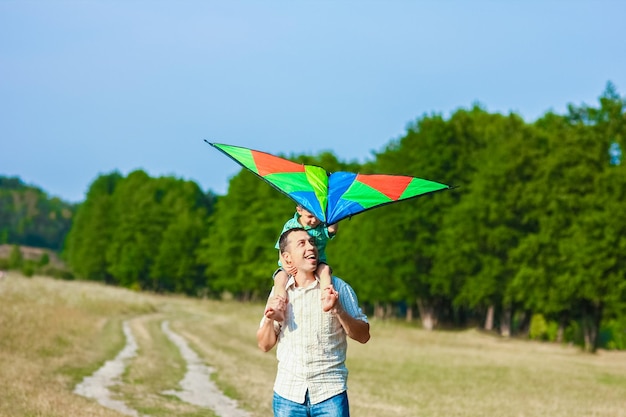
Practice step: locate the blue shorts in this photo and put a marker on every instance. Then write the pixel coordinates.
(336, 406)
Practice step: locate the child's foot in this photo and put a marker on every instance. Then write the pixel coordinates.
(329, 298)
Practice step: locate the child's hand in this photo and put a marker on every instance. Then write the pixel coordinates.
(330, 298)
(287, 267)
(291, 270)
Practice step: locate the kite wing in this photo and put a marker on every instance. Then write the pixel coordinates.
(330, 197)
(307, 185)
(351, 193)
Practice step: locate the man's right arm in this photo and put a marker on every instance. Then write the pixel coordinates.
(267, 335)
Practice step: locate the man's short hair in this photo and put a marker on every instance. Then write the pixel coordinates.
(284, 238)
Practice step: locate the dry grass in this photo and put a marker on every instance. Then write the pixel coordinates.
(52, 333)
(474, 374)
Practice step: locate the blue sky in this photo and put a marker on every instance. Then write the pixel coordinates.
(88, 87)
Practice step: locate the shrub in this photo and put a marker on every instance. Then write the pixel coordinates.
(28, 269)
(44, 260)
(574, 334)
(15, 258)
(538, 327)
(552, 331)
(613, 335)
(56, 272)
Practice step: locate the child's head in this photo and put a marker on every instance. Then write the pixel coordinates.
(306, 218)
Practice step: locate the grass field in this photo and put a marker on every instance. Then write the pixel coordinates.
(53, 333)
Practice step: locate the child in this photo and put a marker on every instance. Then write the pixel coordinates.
(322, 234)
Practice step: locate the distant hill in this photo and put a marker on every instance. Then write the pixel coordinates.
(33, 255)
(29, 217)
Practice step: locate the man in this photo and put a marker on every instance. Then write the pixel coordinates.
(312, 376)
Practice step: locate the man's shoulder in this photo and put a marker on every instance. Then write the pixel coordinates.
(338, 282)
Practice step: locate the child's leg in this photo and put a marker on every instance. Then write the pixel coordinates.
(328, 299)
(280, 282)
(324, 272)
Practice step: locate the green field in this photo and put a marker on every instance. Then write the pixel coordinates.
(53, 333)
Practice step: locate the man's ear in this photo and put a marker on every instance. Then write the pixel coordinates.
(287, 258)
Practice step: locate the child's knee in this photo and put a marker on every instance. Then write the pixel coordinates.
(324, 269)
(280, 275)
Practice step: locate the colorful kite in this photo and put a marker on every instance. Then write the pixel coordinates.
(329, 196)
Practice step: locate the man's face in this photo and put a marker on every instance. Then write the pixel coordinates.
(306, 218)
(301, 251)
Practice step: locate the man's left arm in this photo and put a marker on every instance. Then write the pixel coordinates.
(356, 329)
(349, 314)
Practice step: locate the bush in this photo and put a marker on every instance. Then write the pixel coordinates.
(56, 272)
(15, 258)
(538, 327)
(44, 260)
(574, 334)
(28, 269)
(613, 335)
(552, 331)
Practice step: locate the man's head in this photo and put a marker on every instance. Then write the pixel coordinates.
(298, 249)
(306, 218)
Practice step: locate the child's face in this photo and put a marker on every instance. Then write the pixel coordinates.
(306, 218)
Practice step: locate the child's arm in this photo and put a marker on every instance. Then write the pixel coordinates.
(332, 229)
(287, 267)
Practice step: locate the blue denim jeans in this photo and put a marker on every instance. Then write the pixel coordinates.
(336, 406)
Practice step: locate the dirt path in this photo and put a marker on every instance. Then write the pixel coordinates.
(197, 387)
(97, 385)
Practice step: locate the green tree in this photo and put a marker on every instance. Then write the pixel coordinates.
(239, 249)
(571, 265)
(175, 266)
(29, 217)
(439, 150)
(473, 262)
(92, 230)
(136, 238)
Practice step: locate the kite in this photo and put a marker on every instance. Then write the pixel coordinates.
(329, 196)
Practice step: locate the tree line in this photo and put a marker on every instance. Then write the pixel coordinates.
(141, 232)
(29, 217)
(530, 241)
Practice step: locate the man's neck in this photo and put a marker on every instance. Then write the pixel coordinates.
(304, 279)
